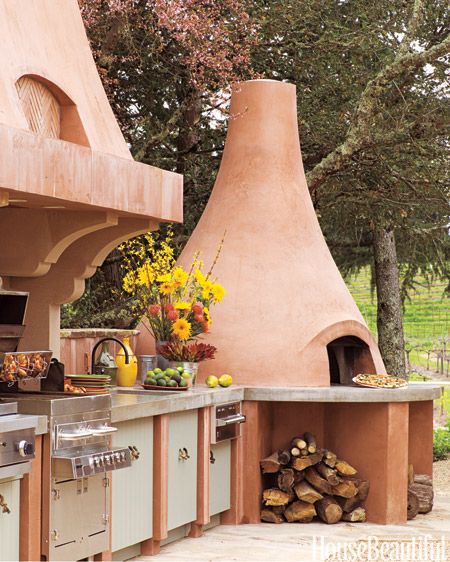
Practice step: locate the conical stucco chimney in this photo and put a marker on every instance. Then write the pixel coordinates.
(286, 300)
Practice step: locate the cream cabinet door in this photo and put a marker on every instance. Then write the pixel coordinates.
(9, 522)
(182, 500)
(220, 477)
(132, 487)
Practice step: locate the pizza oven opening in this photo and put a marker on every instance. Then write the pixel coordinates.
(348, 356)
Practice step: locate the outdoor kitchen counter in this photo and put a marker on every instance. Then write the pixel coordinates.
(414, 392)
(133, 404)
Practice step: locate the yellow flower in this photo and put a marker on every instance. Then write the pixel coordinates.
(180, 275)
(146, 275)
(207, 315)
(181, 328)
(164, 278)
(129, 282)
(199, 277)
(166, 288)
(182, 305)
(207, 286)
(218, 292)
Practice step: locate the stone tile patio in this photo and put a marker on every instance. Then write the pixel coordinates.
(267, 542)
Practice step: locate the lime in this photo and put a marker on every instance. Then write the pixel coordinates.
(180, 369)
(151, 373)
(162, 382)
(157, 370)
(171, 372)
(225, 380)
(212, 381)
(172, 383)
(151, 380)
(183, 383)
(186, 375)
(159, 376)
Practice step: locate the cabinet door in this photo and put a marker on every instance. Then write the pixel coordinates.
(9, 522)
(182, 472)
(132, 487)
(220, 477)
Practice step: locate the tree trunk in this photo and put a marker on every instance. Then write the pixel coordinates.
(389, 313)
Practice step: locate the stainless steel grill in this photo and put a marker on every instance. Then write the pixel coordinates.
(78, 457)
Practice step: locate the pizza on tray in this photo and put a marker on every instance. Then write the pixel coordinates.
(379, 381)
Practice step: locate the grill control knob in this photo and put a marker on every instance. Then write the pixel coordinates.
(25, 448)
(117, 455)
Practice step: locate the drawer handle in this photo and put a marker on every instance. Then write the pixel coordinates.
(212, 459)
(4, 505)
(135, 454)
(183, 454)
(238, 418)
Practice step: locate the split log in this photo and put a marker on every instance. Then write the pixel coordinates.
(274, 496)
(328, 473)
(329, 458)
(270, 464)
(300, 511)
(284, 457)
(278, 509)
(319, 483)
(300, 463)
(311, 442)
(299, 443)
(363, 490)
(348, 504)
(345, 489)
(329, 510)
(298, 476)
(423, 479)
(286, 479)
(271, 517)
(410, 474)
(304, 452)
(295, 452)
(425, 496)
(307, 493)
(345, 468)
(358, 515)
(412, 506)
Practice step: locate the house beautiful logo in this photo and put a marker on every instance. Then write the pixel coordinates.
(420, 548)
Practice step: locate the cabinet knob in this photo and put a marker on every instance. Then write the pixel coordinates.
(4, 505)
(212, 459)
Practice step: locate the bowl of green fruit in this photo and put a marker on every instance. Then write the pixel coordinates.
(170, 379)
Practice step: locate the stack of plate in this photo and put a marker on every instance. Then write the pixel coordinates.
(93, 384)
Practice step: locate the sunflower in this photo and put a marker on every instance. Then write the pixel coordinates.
(206, 292)
(182, 305)
(164, 278)
(166, 288)
(218, 292)
(182, 329)
(207, 315)
(180, 276)
(199, 277)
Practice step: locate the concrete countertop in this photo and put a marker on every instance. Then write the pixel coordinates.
(15, 422)
(135, 403)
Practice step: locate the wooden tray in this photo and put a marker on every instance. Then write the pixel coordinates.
(163, 388)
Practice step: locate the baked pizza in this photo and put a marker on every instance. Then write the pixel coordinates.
(379, 381)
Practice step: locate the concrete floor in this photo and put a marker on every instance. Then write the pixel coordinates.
(428, 535)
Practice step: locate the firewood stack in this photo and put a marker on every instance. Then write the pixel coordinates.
(420, 493)
(306, 482)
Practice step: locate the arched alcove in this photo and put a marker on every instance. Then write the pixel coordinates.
(49, 111)
(348, 356)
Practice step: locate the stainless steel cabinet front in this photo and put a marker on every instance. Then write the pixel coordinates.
(132, 487)
(9, 522)
(220, 477)
(182, 483)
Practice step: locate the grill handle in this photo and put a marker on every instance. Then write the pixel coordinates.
(238, 418)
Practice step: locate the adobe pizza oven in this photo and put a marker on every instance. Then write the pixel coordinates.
(288, 318)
